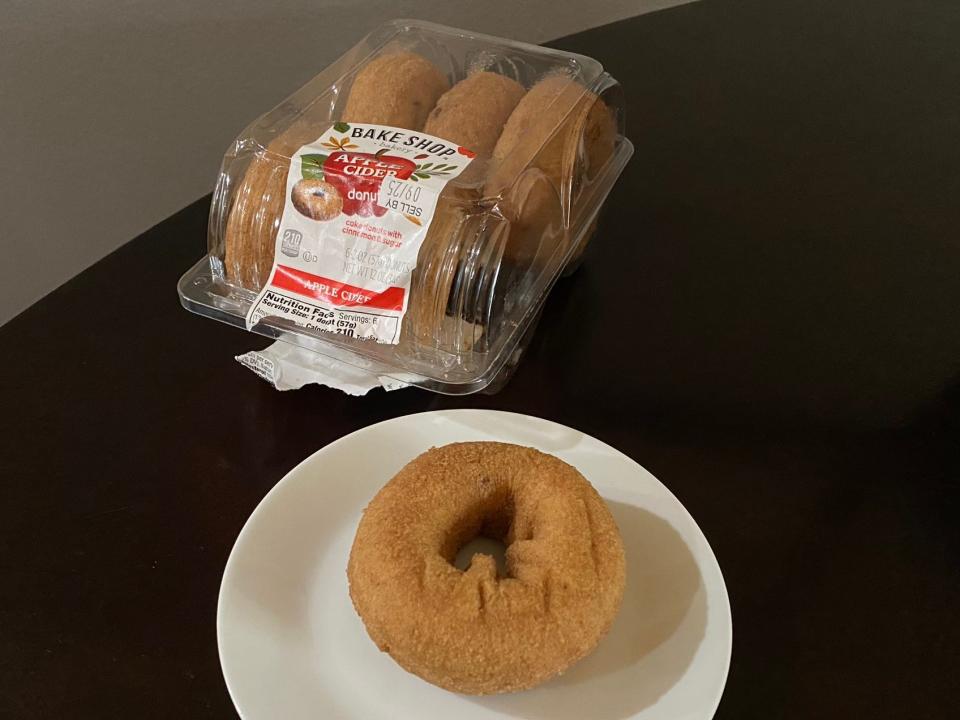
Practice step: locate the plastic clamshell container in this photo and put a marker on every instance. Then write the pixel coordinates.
(503, 233)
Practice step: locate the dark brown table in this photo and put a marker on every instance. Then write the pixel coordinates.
(769, 321)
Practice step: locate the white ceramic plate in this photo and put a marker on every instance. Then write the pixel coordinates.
(292, 647)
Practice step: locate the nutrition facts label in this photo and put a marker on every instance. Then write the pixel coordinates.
(359, 203)
(324, 304)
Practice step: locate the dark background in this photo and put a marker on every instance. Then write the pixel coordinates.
(767, 321)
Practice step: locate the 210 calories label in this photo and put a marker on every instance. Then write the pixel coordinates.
(359, 203)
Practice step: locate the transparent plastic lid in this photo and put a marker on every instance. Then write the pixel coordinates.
(494, 159)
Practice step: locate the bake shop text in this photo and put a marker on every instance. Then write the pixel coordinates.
(399, 137)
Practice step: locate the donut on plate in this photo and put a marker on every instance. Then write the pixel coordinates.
(472, 631)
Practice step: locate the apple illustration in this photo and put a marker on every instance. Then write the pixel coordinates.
(358, 176)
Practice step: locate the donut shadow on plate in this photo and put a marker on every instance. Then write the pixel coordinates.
(652, 642)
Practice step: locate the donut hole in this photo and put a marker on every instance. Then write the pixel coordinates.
(483, 545)
(486, 529)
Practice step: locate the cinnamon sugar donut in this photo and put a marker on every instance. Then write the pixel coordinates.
(556, 140)
(470, 631)
(398, 88)
(472, 113)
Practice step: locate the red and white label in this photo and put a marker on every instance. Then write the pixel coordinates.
(334, 292)
(359, 202)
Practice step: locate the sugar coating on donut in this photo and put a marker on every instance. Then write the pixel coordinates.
(397, 88)
(546, 129)
(470, 631)
(472, 113)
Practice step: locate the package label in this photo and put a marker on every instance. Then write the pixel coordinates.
(359, 202)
